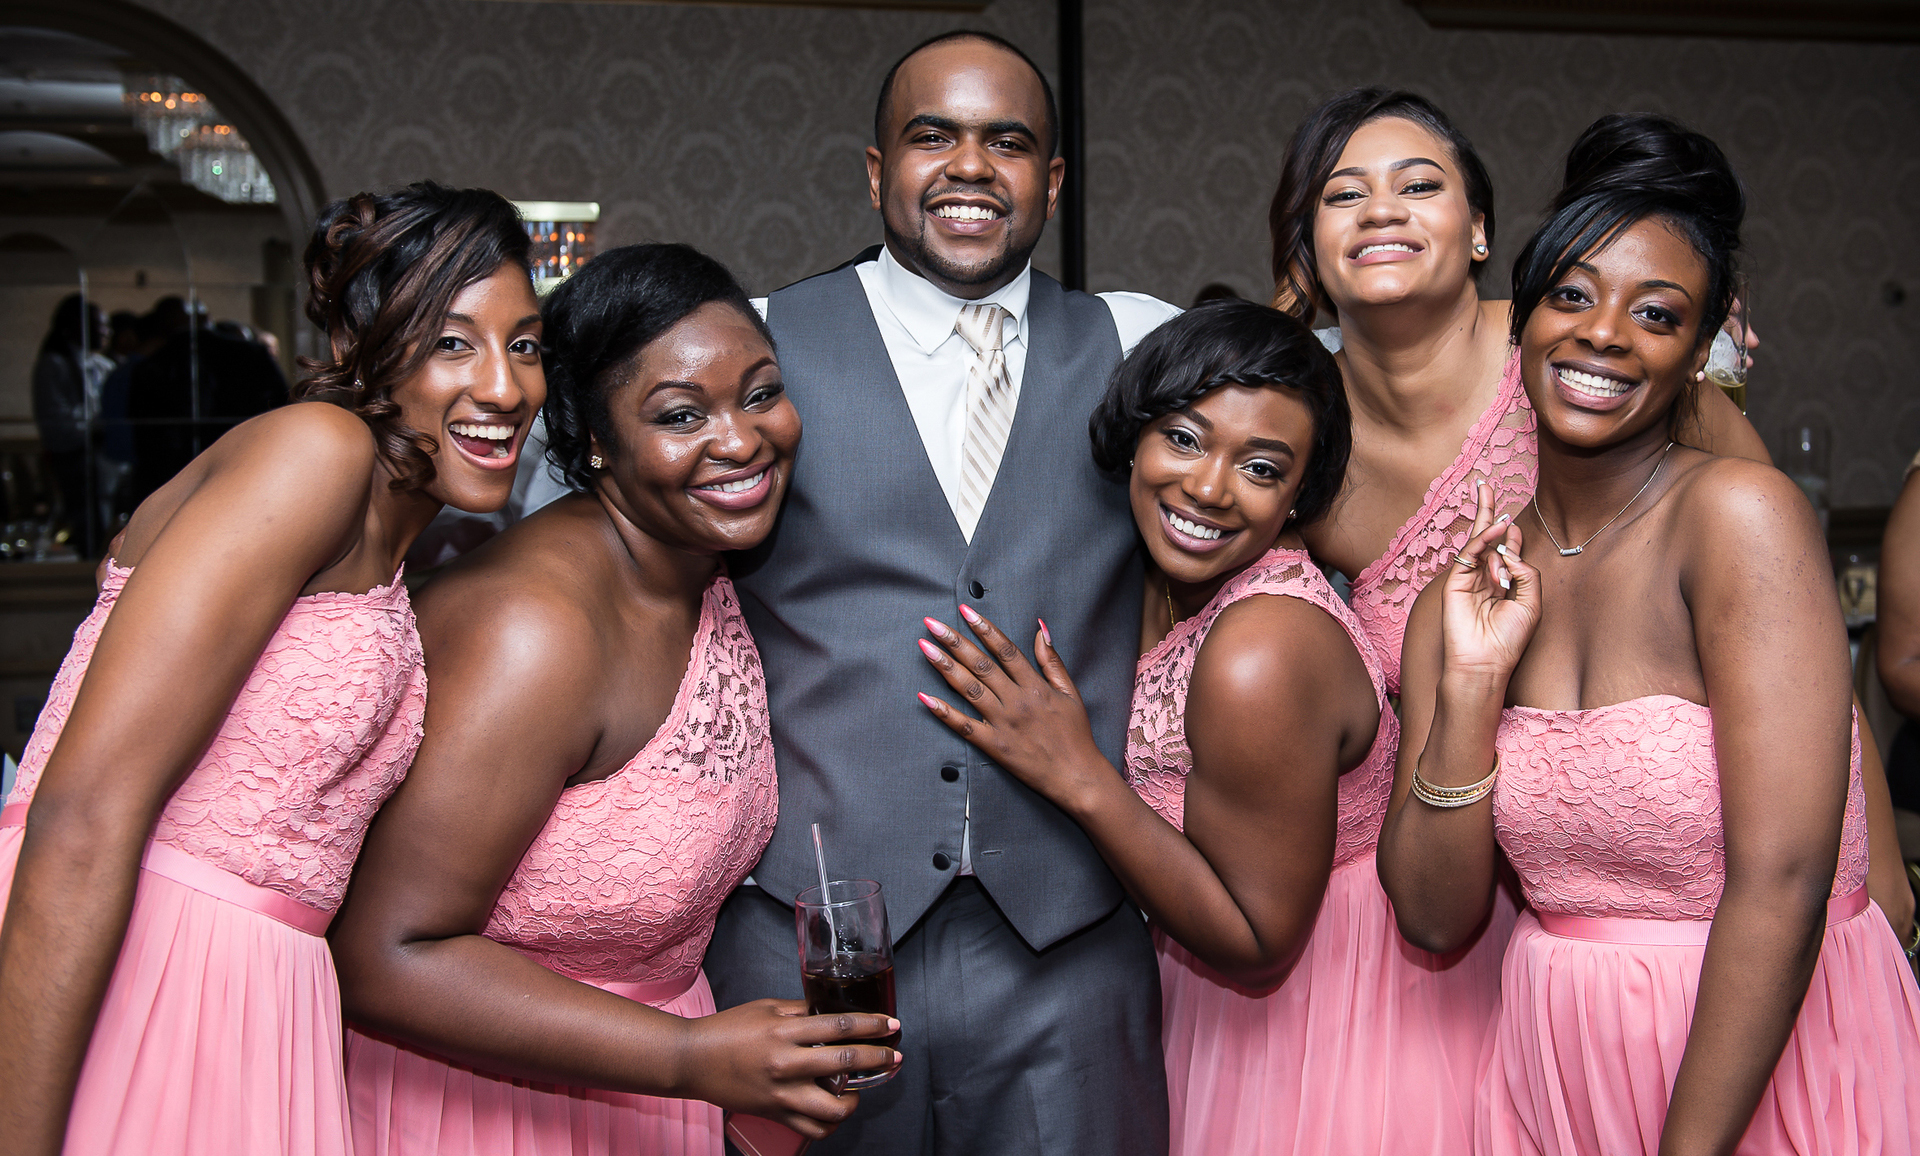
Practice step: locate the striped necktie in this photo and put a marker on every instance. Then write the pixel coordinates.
(991, 398)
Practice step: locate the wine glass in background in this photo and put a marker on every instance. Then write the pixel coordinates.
(846, 957)
(1807, 463)
(1727, 359)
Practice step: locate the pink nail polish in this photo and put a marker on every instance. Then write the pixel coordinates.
(967, 612)
(1045, 633)
(934, 625)
(930, 650)
(929, 702)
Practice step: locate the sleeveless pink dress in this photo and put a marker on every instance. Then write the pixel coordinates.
(1500, 448)
(1612, 818)
(220, 1032)
(1371, 1045)
(619, 890)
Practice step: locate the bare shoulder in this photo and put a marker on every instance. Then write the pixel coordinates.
(1273, 645)
(1727, 500)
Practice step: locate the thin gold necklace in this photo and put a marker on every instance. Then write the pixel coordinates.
(1570, 551)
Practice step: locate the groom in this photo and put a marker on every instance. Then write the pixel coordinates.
(945, 388)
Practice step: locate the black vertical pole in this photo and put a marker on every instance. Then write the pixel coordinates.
(1072, 217)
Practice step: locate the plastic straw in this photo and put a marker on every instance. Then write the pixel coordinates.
(826, 897)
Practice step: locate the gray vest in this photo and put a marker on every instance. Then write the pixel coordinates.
(867, 546)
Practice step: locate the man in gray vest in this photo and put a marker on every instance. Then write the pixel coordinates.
(945, 388)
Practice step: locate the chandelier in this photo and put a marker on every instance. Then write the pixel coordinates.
(183, 126)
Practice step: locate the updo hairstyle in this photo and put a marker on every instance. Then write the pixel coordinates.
(599, 320)
(1624, 169)
(1221, 343)
(1311, 155)
(382, 272)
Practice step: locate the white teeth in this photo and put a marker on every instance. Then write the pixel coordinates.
(1192, 529)
(491, 433)
(1391, 248)
(1593, 383)
(966, 213)
(736, 487)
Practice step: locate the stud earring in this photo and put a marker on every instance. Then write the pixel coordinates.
(597, 462)
(1292, 514)
(1700, 375)
(1481, 249)
(1129, 463)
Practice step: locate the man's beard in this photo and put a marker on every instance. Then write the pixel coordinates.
(930, 263)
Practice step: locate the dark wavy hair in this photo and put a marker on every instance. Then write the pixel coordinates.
(1311, 154)
(382, 272)
(599, 320)
(880, 107)
(1624, 169)
(1220, 343)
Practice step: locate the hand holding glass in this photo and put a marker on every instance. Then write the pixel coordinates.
(846, 957)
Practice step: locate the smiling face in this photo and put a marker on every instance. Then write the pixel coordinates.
(1615, 343)
(1212, 483)
(477, 392)
(963, 179)
(704, 435)
(1394, 223)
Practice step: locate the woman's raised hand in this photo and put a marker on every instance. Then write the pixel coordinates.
(1490, 604)
(769, 1058)
(1031, 722)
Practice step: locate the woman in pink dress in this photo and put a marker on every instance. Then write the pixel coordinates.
(1258, 760)
(1652, 722)
(522, 946)
(246, 692)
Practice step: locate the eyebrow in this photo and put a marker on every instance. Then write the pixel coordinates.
(529, 319)
(949, 125)
(1279, 447)
(1651, 283)
(1410, 162)
(752, 370)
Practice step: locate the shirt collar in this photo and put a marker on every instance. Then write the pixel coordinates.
(928, 314)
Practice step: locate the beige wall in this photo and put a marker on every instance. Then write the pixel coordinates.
(739, 129)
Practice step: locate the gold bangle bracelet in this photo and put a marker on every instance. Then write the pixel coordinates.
(1448, 798)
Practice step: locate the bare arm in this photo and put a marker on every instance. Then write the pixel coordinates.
(1720, 428)
(1464, 638)
(286, 496)
(1773, 654)
(1272, 721)
(1899, 620)
(515, 711)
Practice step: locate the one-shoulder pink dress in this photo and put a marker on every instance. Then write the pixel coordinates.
(1612, 818)
(619, 890)
(1371, 1045)
(220, 1034)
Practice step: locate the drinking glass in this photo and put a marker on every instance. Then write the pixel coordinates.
(846, 957)
(1727, 359)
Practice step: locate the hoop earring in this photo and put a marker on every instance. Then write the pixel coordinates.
(596, 462)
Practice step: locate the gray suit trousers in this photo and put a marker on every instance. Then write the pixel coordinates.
(1009, 1051)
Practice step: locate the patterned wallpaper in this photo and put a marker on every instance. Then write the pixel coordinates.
(740, 130)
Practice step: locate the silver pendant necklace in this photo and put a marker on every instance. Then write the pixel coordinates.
(1570, 551)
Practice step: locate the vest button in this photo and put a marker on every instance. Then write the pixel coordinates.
(976, 589)
(941, 862)
(950, 773)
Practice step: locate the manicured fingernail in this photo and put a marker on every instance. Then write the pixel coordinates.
(930, 703)
(1045, 633)
(894, 1025)
(1502, 519)
(967, 613)
(898, 1059)
(936, 627)
(1502, 550)
(930, 650)
(1506, 583)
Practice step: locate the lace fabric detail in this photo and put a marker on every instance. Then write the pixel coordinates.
(1615, 811)
(1158, 758)
(320, 734)
(624, 881)
(1500, 447)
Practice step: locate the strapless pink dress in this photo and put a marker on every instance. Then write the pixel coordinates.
(619, 890)
(220, 1033)
(1612, 818)
(1371, 1045)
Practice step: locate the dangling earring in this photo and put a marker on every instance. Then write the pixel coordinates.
(595, 461)
(1480, 248)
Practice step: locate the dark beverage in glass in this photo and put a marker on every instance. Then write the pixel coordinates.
(846, 958)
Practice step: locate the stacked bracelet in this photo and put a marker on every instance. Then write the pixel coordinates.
(1449, 797)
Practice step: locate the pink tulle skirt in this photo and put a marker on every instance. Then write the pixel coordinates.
(411, 1103)
(220, 1034)
(1591, 1035)
(1370, 1046)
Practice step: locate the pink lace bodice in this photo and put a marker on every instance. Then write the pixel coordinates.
(1615, 811)
(625, 879)
(320, 734)
(1500, 448)
(1158, 757)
